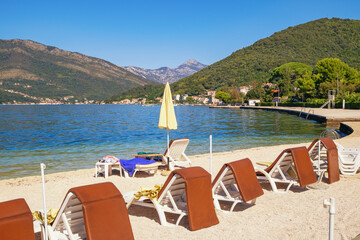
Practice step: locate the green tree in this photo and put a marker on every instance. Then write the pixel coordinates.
(286, 76)
(293, 70)
(256, 93)
(306, 85)
(330, 70)
(224, 96)
(333, 74)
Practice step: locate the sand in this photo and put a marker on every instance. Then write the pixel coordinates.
(299, 214)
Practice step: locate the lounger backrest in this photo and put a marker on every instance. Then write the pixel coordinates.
(227, 178)
(95, 212)
(317, 151)
(238, 179)
(16, 221)
(176, 148)
(325, 150)
(280, 167)
(73, 215)
(319, 148)
(199, 202)
(174, 194)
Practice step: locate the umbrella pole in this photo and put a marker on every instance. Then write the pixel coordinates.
(210, 154)
(43, 166)
(168, 143)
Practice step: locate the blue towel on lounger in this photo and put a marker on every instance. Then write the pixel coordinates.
(129, 165)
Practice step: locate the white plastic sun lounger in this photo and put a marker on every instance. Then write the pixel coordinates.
(171, 200)
(84, 208)
(349, 160)
(16, 220)
(324, 157)
(236, 182)
(292, 166)
(175, 153)
(186, 192)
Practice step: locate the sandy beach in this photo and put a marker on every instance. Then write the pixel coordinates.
(298, 214)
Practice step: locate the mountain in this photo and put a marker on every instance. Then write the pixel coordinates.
(30, 70)
(165, 74)
(306, 43)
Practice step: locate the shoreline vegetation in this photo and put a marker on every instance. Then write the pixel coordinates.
(296, 215)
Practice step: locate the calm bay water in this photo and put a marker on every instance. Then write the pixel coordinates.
(70, 137)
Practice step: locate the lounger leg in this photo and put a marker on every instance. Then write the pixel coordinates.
(106, 171)
(179, 219)
(321, 175)
(67, 226)
(161, 213)
(130, 202)
(288, 187)
(217, 204)
(126, 174)
(233, 206)
(50, 233)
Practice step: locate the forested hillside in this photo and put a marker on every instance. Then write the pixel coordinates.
(32, 69)
(306, 43)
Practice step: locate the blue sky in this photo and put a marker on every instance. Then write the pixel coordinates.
(154, 33)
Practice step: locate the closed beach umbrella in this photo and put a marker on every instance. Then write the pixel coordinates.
(167, 118)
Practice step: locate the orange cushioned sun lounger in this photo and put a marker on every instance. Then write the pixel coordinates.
(236, 182)
(93, 212)
(291, 166)
(186, 191)
(16, 220)
(323, 151)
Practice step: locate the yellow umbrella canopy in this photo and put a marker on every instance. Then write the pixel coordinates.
(167, 118)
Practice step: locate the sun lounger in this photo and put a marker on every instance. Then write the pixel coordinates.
(132, 166)
(186, 192)
(236, 182)
(292, 161)
(175, 153)
(324, 157)
(93, 212)
(349, 160)
(16, 220)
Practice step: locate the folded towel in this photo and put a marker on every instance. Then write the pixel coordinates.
(50, 216)
(129, 165)
(145, 153)
(150, 193)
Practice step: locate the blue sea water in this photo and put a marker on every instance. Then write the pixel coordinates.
(71, 137)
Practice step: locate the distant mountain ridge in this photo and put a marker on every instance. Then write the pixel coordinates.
(28, 68)
(166, 74)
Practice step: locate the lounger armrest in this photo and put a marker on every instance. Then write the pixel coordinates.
(186, 157)
(258, 167)
(129, 198)
(261, 170)
(354, 151)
